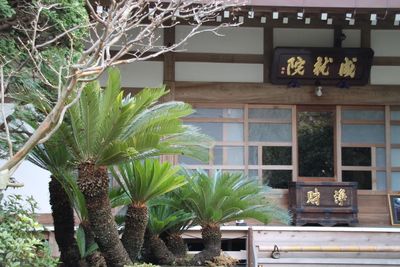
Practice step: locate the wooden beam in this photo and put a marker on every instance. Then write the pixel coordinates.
(254, 58)
(386, 61)
(268, 48)
(203, 92)
(219, 58)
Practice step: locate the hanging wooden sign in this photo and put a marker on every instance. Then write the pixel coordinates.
(326, 66)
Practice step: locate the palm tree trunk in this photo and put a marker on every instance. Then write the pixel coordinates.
(93, 183)
(159, 252)
(211, 235)
(175, 244)
(63, 218)
(135, 227)
(95, 259)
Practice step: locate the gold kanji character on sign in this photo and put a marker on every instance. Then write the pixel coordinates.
(295, 65)
(313, 197)
(321, 66)
(348, 68)
(340, 196)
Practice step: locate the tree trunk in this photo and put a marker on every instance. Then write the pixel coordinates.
(135, 227)
(93, 182)
(159, 253)
(63, 218)
(211, 235)
(175, 244)
(95, 259)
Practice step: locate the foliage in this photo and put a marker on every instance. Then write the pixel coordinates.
(163, 217)
(21, 244)
(108, 128)
(142, 265)
(143, 181)
(81, 241)
(227, 197)
(5, 9)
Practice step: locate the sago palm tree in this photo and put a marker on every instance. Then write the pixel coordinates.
(65, 195)
(108, 129)
(223, 198)
(142, 182)
(172, 236)
(54, 157)
(162, 218)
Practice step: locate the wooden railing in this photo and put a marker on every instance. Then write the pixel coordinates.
(316, 246)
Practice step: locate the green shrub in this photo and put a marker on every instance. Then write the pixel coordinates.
(20, 242)
(142, 265)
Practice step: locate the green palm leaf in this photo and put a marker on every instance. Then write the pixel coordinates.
(227, 197)
(163, 218)
(108, 129)
(143, 181)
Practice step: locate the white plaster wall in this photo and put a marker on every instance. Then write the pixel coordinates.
(218, 72)
(240, 40)
(36, 183)
(139, 74)
(303, 37)
(385, 75)
(353, 38)
(385, 42)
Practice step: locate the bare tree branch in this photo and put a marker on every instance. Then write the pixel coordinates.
(128, 25)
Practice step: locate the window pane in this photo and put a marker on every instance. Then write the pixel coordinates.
(363, 178)
(213, 129)
(381, 181)
(380, 157)
(190, 161)
(315, 142)
(395, 115)
(395, 157)
(395, 134)
(395, 181)
(356, 156)
(364, 134)
(233, 113)
(253, 155)
(363, 115)
(253, 173)
(233, 131)
(277, 179)
(228, 155)
(271, 132)
(206, 113)
(217, 113)
(276, 155)
(233, 171)
(270, 114)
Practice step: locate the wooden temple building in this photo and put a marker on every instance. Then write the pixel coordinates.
(304, 95)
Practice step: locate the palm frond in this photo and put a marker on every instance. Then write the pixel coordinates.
(146, 180)
(163, 218)
(227, 197)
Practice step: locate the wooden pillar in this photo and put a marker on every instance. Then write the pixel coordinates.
(169, 79)
(268, 48)
(365, 38)
(169, 64)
